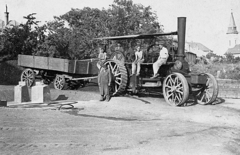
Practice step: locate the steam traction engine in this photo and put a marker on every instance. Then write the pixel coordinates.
(176, 80)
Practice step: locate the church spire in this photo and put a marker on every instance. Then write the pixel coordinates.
(232, 28)
(6, 16)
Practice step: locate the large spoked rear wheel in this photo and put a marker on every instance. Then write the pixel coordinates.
(209, 92)
(175, 89)
(59, 82)
(28, 75)
(119, 75)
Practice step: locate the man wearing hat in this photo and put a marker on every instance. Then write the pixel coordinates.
(162, 59)
(104, 81)
(119, 48)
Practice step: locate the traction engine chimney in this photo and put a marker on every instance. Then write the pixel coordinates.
(181, 37)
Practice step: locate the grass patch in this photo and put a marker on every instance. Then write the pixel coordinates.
(226, 70)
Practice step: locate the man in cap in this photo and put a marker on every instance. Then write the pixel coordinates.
(104, 81)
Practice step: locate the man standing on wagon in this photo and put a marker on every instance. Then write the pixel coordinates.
(104, 81)
(162, 59)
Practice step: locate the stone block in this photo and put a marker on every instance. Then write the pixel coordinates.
(3, 103)
(40, 93)
(21, 93)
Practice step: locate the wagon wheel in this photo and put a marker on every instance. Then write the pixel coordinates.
(28, 75)
(175, 89)
(118, 56)
(120, 78)
(59, 82)
(209, 92)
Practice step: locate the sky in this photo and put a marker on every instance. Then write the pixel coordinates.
(207, 20)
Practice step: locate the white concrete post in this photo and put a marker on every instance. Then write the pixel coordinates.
(21, 93)
(40, 93)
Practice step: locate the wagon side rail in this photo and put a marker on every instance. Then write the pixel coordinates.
(86, 66)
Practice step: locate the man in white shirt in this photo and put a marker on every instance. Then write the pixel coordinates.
(162, 59)
(139, 58)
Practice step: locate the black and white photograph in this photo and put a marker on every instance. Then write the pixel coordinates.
(119, 77)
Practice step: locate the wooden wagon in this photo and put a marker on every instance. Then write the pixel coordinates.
(60, 71)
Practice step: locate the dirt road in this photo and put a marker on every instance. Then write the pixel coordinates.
(125, 125)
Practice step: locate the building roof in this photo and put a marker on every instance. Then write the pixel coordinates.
(198, 46)
(234, 50)
(232, 28)
(12, 23)
(2, 24)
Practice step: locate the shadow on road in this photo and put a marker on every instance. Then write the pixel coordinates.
(145, 93)
(137, 98)
(219, 100)
(61, 97)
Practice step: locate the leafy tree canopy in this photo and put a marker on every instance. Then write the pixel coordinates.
(19, 39)
(72, 34)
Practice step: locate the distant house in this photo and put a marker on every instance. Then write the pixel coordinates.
(2, 24)
(197, 48)
(235, 50)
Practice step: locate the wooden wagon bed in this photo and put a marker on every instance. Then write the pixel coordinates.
(87, 66)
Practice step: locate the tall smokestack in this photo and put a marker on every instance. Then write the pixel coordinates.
(6, 17)
(181, 37)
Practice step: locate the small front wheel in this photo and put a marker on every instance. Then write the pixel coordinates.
(209, 92)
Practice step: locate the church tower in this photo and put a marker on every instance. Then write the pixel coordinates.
(7, 23)
(232, 33)
(6, 16)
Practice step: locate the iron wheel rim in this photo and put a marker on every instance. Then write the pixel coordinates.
(28, 76)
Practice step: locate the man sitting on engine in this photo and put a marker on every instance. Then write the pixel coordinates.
(139, 58)
(162, 59)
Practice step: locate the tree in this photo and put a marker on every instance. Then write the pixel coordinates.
(126, 18)
(210, 54)
(85, 25)
(229, 57)
(72, 34)
(20, 39)
(129, 18)
(122, 18)
(56, 42)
